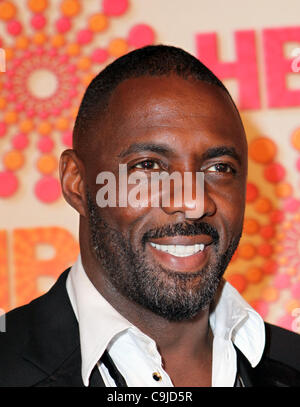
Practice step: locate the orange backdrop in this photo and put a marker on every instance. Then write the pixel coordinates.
(50, 50)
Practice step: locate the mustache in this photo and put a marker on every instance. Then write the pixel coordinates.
(183, 229)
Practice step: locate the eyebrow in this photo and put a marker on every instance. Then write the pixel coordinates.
(142, 147)
(219, 151)
(164, 149)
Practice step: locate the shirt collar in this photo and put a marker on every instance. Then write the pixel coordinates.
(231, 319)
(90, 307)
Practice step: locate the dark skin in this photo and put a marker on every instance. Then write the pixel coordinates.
(190, 119)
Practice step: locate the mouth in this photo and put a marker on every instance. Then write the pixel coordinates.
(179, 250)
(181, 253)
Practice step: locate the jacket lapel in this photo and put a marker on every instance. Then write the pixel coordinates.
(244, 369)
(54, 345)
(268, 373)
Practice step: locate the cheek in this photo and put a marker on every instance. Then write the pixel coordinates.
(133, 205)
(234, 202)
(230, 211)
(125, 220)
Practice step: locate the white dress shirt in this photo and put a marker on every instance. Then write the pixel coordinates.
(135, 354)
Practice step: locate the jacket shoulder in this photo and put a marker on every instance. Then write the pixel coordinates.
(280, 363)
(17, 322)
(15, 332)
(282, 346)
(13, 342)
(20, 325)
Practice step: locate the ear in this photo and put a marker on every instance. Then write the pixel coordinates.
(71, 171)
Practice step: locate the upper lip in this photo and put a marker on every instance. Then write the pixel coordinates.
(183, 240)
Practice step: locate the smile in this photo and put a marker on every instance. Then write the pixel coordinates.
(178, 250)
(181, 253)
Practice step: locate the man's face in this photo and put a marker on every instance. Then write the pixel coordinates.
(154, 255)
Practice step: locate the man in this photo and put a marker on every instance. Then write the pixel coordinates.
(145, 304)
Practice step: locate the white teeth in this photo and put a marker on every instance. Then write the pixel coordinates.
(179, 250)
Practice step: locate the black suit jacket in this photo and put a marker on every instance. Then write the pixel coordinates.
(41, 348)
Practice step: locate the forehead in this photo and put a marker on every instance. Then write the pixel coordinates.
(134, 97)
(145, 107)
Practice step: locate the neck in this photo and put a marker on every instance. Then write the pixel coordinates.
(185, 347)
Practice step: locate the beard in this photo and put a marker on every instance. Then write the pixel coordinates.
(175, 296)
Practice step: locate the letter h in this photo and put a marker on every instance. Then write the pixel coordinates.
(243, 69)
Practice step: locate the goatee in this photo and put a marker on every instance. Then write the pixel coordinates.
(175, 296)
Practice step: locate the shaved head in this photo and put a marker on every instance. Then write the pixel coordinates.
(155, 60)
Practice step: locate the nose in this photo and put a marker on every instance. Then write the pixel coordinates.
(189, 195)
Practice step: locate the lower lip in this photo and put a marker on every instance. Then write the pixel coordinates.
(183, 264)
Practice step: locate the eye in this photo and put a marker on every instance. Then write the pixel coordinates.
(147, 165)
(221, 167)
